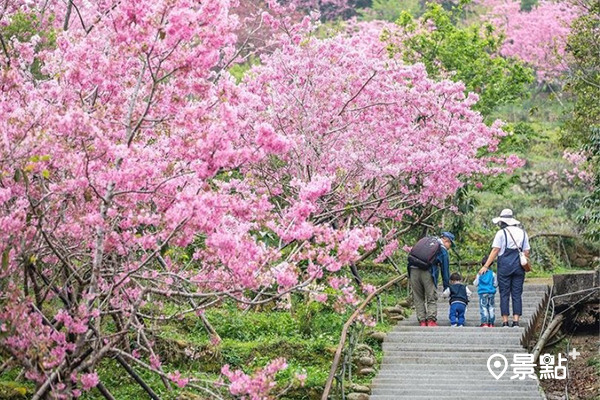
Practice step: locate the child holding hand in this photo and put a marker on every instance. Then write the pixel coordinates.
(486, 289)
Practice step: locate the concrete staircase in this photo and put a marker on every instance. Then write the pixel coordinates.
(451, 363)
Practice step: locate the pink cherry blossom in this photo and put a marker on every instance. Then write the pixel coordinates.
(538, 37)
(89, 381)
(136, 171)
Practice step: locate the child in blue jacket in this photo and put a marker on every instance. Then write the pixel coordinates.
(486, 289)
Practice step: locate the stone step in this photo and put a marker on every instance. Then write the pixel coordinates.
(527, 288)
(421, 379)
(450, 333)
(444, 311)
(443, 356)
(409, 326)
(459, 396)
(418, 373)
(475, 307)
(418, 377)
(402, 328)
(458, 340)
(431, 369)
(437, 347)
(442, 316)
(470, 322)
(526, 301)
(453, 382)
(390, 359)
(434, 368)
(444, 362)
(480, 392)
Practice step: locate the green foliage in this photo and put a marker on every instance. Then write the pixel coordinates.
(520, 138)
(239, 70)
(470, 53)
(589, 214)
(542, 204)
(465, 202)
(307, 336)
(14, 391)
(527, 5)
(390, 10)
(582, 128)
(595, 363)
(23, 27)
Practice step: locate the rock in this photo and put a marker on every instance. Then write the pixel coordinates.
(360, 388)
(518, 189)
(357, 396)
(363, 350)
(405, 303)
(366, 361)
(378, 336)
(393, 310)
(583, 260)
(397, 317)
(365, 371)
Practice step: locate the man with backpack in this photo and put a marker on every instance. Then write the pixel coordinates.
(427, 257)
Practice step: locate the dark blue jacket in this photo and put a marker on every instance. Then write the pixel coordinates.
(458, 292)
(442, 262)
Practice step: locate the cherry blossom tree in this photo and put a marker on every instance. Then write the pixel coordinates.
(114, 153)
(367, 140)
(538, 36)
(135, 173)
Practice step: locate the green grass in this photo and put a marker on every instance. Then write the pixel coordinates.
(307, 336)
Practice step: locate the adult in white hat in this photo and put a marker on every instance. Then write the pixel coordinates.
(511, 275)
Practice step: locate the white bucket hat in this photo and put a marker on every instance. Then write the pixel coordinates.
(506, 216)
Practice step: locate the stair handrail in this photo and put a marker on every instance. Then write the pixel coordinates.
(349, 322)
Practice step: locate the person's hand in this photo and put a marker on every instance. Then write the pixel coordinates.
(483, 270)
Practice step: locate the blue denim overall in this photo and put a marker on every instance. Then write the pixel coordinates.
(510, 279)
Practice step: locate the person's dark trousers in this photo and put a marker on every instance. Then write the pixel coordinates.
(511, 286)
(457, 313)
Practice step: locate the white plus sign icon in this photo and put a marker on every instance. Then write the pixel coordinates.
(574, 353)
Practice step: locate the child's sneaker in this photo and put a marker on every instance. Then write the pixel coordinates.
(453, 325)
(483, 325)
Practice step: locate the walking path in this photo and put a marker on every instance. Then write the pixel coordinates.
(451, 363)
